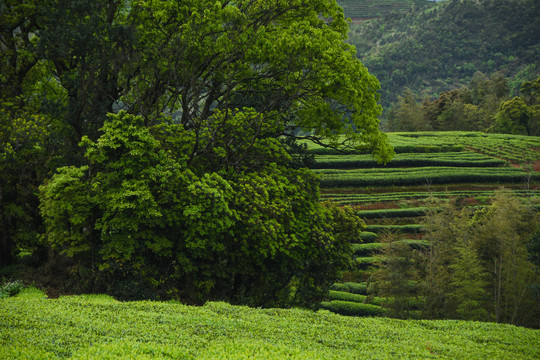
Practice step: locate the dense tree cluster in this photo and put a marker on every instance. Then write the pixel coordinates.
(483, 105)
(185, 112)
(480, 265)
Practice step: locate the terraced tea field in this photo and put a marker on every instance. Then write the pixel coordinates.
(368, 9)
(465, 167)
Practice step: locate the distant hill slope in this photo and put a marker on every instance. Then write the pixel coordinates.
(440, 47)
(358, 10)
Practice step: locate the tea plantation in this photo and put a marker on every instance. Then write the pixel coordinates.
(99, 327)
(368, 9)
(464, 167)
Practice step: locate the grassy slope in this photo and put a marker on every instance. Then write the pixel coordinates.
(98, 327)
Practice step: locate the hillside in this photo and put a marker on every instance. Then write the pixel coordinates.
(461, 167)
(99, 327)
(439, 48)
(359, 10)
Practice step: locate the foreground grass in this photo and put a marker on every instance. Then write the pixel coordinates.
(98, 327)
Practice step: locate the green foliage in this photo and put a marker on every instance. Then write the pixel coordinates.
(187, 70)
(440, 48)
(26, 156)
(136, 213)
(11, 288)
(468, 286)
(99, 327)
(478, 266)
(396, 276)
(515, 117)
(352, 287)
(352, 308)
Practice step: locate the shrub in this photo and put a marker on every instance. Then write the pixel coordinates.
(346, 296)
(356, 288)
(368, 237)
(366, 249)
(352, 308)
(11, 288)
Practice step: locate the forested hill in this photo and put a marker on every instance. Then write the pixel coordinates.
(440, 47)
(359, 10)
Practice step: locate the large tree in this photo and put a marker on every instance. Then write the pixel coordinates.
(186, 63)
(286, 59)
(138, 215)
(188, 190)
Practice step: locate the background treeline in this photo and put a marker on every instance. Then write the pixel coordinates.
(483, 105)
(440, 47)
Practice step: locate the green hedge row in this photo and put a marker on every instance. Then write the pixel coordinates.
(377, 197)
(392, 213)
(419, 176)
(352, 287)
(459, 159)
(346, 296)
(363, 262)
(364, 299)
(397, 148)
(368, 237)
(406, 229)
(366, 249)
(352, 308)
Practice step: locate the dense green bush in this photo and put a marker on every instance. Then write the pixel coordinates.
(137, 220)
(367, 236)
(11, 288)
(356, 288)
(366, 249)
(352, 308)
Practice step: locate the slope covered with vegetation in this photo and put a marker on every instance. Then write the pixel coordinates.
(99, 327)
(439, 188)
(441, 47)
(358, 10)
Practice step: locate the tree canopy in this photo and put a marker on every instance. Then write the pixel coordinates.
(171, 125)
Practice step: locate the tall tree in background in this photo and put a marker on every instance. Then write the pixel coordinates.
(397, 276)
